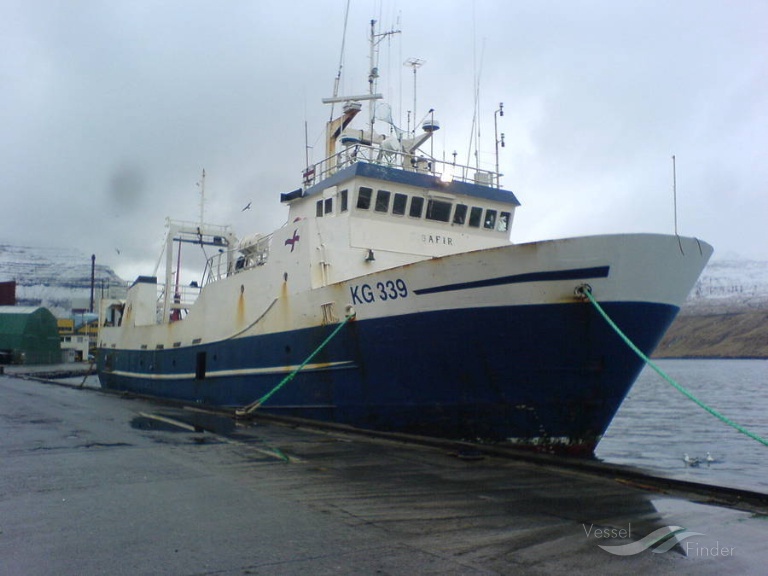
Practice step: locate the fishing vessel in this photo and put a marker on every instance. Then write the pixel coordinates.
(393, 299)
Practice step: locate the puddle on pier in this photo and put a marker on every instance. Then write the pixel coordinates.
(183, 421)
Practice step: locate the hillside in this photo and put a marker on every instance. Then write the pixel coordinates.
(55, 277)
(726, 315)
(731, 335)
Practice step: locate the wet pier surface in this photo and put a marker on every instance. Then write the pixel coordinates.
(93, 483)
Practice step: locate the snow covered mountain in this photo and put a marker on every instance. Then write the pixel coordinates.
(726, 315)
(730, 284)
(57, 278)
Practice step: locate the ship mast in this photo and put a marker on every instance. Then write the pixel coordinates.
(414, 63)
(373, 75)
(352, 103)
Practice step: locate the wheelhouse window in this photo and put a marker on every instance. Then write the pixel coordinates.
(343, 207)
(319, 208)
(490, 219)
(382, 201)
(364, 196)
(460, 214)
(398, 205)
(417, 207)
(439, 210)
(503, 224)
(329, 205)
(475, 215)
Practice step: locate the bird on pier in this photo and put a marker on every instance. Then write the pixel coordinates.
(709, 459)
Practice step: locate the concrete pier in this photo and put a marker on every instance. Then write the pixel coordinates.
(93, 483)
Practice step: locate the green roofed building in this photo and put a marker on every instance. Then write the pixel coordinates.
(28, 335)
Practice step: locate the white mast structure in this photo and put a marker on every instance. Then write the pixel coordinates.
(373, 75)
(414, 63)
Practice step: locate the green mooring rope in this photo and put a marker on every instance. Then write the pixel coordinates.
(251, 407)
(587, 292)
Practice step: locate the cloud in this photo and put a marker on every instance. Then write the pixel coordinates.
(110, 111)
(126, 187)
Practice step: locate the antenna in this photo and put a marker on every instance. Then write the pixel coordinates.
(496, 114)
(201, 185)
(341, 58)
(475, 132)
(414, 63)
(373, 74)
(674, 190)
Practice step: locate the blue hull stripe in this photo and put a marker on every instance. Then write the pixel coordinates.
(548, 276)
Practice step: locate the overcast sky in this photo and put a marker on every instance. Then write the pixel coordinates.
(110, 110)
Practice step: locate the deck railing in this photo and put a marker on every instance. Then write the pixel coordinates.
(182, 297)
(447, 171)
(237, 260)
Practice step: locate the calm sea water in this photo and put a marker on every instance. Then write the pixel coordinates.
(657, 425)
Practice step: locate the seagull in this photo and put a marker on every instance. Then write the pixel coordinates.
(693, 462)
(247, 207)
(710, 459)
(118, 251)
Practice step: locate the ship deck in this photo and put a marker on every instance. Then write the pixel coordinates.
(97, 483)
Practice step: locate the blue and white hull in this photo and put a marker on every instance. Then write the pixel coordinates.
(492, 344)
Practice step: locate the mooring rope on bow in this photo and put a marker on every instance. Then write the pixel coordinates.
(586, 291)
(246, 410)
